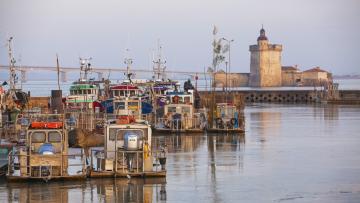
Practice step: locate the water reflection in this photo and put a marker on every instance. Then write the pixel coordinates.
(96, 190)
(326, 112)
(135, 190)
(264, 123)
(175, 143)
(36, 192)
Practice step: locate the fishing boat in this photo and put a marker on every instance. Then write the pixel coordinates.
(45, 155)
(228, 118)
(179, 114)
(127, 145)
(84, 92)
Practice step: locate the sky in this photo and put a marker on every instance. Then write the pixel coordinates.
(313, 32)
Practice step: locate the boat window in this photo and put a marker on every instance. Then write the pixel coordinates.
(121, 132)
(186, 110)
(38, 137)
(187, 100)
(54, 136)
(172, 109)
(119, 105)
(133, 105)
(89, 91)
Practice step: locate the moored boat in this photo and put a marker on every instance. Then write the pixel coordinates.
(228, 118)
(45, 155)
(179, 114)
(127, 145)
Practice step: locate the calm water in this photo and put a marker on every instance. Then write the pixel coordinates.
(302, 153)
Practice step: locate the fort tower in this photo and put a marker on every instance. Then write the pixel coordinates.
(265, 63)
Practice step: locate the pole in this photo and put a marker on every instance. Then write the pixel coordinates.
(229, 62)
(226, 77)
(58, 71)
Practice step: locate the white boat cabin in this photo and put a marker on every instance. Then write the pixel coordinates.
(128, 107)
(115, 136)
(124, 90)
(82, 96)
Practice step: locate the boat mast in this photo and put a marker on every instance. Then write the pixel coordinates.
(159, 65)
(128, 61)
(85, 68)
(12, 72)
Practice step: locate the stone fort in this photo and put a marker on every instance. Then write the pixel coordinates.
(266, 70)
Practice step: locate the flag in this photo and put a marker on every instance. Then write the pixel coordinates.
(215, 30)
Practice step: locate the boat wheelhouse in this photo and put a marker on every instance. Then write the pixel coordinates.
(124, 90)
(45, 155)
(82, 96)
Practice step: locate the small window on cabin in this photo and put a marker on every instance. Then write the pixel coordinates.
(172, 109)
(54, 136)
(186, 109)
(120, 105)
(88, 91)
(38, 137)
(187, 100)
(133, 105)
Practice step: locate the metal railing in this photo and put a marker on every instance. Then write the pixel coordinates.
(180, 124)
(119, 162)
(43, 171)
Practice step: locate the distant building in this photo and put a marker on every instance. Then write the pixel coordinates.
(231, 79)
(316, 76)
(265, 63)
(290, 76)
